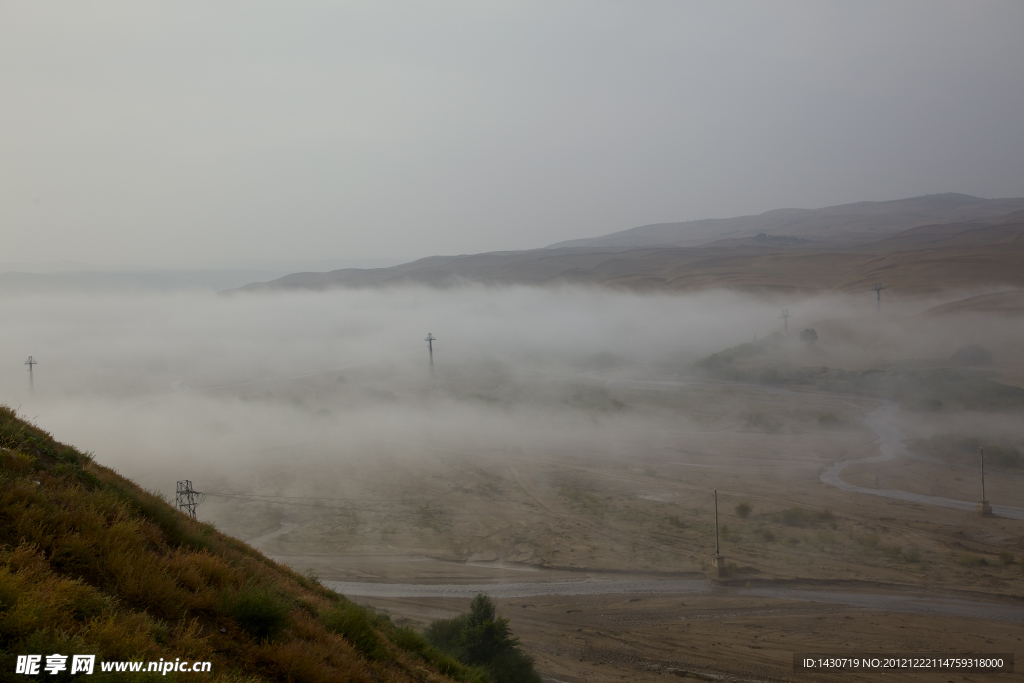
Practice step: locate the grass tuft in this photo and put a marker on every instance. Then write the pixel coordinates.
(356, 625)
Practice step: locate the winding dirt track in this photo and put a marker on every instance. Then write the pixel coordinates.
(891, 446)
(890, 443)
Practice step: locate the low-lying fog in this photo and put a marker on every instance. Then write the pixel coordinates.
(201, 386)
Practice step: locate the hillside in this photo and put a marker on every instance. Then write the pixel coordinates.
(831, 226)
(92, 564)
(919, 260)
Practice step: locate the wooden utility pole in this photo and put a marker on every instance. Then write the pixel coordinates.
(30, 362)
(984, 509)
(718, 561)
(430, 345)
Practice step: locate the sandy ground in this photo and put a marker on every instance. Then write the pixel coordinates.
(638, 501)
(646, 638)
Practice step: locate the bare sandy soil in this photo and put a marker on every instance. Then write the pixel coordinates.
(637, 502)
(649, 638)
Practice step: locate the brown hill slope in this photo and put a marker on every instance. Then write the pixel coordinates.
(831, 226)
(1010, 303)
(923, 259)
(91, 564)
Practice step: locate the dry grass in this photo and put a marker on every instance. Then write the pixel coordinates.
(90, 563)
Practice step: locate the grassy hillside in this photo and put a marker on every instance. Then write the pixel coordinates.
(92, 564)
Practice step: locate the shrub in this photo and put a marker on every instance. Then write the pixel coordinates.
(801, 517)
(893, 551)
(972, 355)
(259, 611)
(482, 638)
(763, 423)
(869, 540)
(676, 522)
(829, 420)
(356, 625)
(968, 560)
(1006, 557)
(743, 510)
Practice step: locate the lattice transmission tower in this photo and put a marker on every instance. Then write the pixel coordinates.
(188, 499)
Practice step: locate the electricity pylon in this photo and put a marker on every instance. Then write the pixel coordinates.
(187, 499)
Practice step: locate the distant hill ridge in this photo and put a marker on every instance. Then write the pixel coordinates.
(846, 225)
(985, 251)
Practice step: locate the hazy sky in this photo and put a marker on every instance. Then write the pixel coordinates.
(181, 133)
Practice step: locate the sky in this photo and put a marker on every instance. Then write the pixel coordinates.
(189, 134)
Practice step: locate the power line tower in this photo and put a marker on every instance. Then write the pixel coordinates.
(30, 362)
(188, 499)
(878, 292)
(785, 321)
(430, 345)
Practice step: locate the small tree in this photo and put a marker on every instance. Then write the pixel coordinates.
(483, 638)
(809, 336)
(743, 510)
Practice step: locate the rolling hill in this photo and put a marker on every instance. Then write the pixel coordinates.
(985, 253)
(845, 225)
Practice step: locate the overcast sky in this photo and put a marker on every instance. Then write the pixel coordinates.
(185, 133)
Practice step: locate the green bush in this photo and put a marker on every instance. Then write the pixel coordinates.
(743, 510)
(356, 625)
(259, 611)
(482, 638)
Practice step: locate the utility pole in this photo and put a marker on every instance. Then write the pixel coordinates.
(984, 509)
(718, 561)
(188, 499)
(717, 549)
(430, 345)
(30, 362)
(785, 321)
(878, 291)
